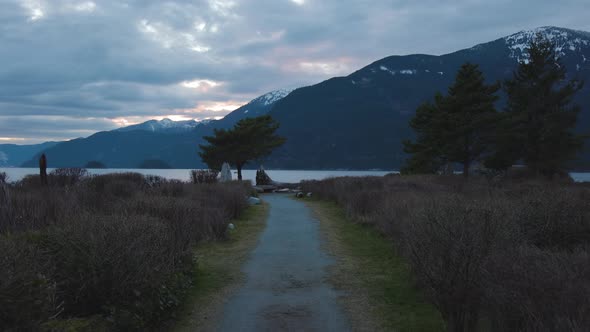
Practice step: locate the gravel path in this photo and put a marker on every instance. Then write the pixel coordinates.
(286, 287)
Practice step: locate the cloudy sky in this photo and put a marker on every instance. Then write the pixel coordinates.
(69, 68)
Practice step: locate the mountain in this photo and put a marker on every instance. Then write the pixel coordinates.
(165, 125)
(257, 107)
(173, 142)
(352, 122)
(359, 121)
(14, 155)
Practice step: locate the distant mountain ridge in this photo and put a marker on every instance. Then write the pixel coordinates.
(12, 155)
(360, 120)
(164, 125)
(352, 122)
(173, 142)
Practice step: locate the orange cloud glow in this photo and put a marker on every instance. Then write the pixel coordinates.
(214, 106)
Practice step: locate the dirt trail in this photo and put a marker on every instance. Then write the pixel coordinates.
(286, 287)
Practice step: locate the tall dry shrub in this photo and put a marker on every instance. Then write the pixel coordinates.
(203, 176)
(448, 243)
(5, 202)
(66, 176)
(502, 255)
(532, 289)
(28, 293)
(113, 263)
(116, 246)
(554, 217)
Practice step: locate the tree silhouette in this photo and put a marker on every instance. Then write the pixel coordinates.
(249, 139)
(538, 125)
(457, 127)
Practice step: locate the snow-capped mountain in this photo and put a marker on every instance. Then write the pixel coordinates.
(355, 122)
(257, 107)
(566, 41)
(165, 125)
(360, 120)
(272, 97)
(570, 46)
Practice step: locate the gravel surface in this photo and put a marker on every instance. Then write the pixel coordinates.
(287, 285)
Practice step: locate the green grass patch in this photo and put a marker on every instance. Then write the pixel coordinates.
(218, 271)
(379, 287)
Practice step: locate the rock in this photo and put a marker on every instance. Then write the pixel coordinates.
(262, 179)
(225, 175)
(254, 201)
(299, 195)
(308, 195)
(231, 227)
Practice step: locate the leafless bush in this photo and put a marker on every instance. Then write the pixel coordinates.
(34, 209)
(117, 245)
(111, 261)
(66, 176)
(5, 206)
(27, 291)
(155, 180)
(204, 176)
(556, 218)
(504, 256)
(531, 289)
(447, 243)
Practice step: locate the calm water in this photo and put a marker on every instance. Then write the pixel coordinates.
(291, 176)
(15, 174)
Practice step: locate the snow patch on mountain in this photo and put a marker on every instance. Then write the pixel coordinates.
(272, 97)
(403, 71)
(383, 68)
(564, 39)
(164, 125)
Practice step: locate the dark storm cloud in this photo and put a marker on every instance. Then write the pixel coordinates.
(72, 67)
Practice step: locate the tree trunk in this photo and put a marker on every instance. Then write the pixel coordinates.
(466, 168)
(239, 167)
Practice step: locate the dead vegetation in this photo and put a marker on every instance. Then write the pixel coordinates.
(505, 256)
(117, 247)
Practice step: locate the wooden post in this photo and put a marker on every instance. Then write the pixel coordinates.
(43, 169)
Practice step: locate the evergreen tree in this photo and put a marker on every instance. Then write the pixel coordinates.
(249, 139)
(471, 115)
(540, 118)
(456, 128)
(426, 154)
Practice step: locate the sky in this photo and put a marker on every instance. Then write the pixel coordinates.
(70, 68)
